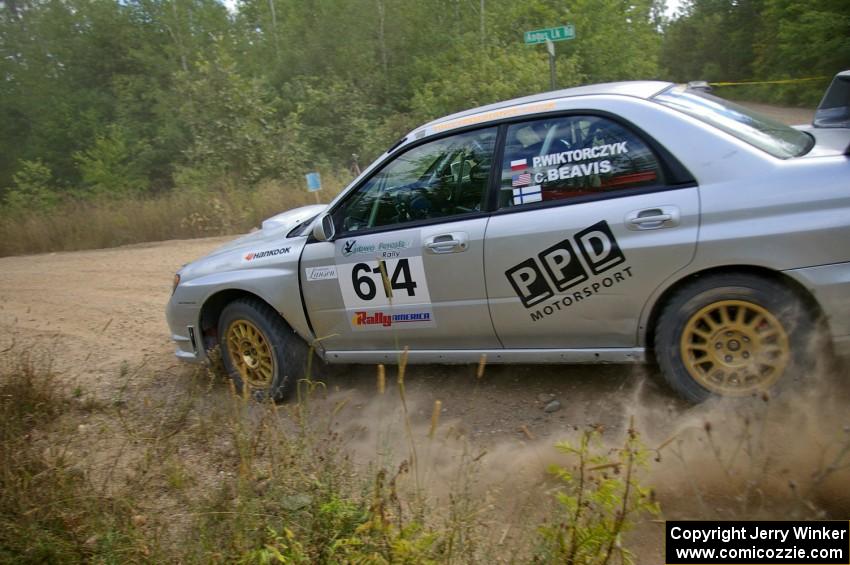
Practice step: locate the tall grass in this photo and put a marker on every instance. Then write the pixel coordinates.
(49, 511)
(188, 471)
(182, 469)
(76, 225)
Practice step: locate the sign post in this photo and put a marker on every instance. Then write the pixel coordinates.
(549, 36)
(314, 184)
(550, 47)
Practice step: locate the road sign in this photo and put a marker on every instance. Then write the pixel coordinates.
(314, 182)
(560, 33)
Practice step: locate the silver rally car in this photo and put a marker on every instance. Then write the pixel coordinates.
(612, 223)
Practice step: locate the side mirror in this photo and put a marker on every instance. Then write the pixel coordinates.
(323, 230)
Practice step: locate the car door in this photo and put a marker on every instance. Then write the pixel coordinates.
(406, 266)
(590, 220)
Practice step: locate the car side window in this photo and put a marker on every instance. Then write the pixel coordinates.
(442, 178)
(570, 156)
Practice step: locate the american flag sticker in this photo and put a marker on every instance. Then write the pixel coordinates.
(521, 180)
(519, 164)
(527, 194)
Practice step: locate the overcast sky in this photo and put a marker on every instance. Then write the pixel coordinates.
(672, 6)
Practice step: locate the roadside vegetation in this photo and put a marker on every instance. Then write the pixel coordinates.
(139, 120)
(761, 42)
(105, 222)
(191, 472)
(180, 468)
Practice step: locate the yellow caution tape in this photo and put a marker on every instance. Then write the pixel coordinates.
(785, 81)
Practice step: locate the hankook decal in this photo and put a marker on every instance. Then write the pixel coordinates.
(254, 255)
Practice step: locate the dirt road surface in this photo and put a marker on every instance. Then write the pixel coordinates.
(790, 116)
(95, 310)
(101, 316)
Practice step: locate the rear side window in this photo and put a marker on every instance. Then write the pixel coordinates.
(768, 135)
(573, 156)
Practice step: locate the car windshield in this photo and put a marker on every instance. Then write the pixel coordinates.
(768, 135)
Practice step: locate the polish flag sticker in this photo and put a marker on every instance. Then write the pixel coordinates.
(519, 164)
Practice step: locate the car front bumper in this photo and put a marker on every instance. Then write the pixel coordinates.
(183, 322)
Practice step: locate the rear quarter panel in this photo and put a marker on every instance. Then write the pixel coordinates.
(787, 215)
(756, 209)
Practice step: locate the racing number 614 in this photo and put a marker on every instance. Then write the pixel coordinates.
(400, 279)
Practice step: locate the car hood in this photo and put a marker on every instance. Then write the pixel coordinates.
(264, 247)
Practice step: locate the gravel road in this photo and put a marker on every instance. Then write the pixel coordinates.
(95, 312)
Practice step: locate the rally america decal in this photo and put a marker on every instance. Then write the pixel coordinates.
(383, 283)
(254, 255)
(382, 320)
(575, 264)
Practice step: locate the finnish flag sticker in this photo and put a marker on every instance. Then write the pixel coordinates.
(527, 194)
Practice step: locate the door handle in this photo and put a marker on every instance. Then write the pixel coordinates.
(447, 243)
(641, 220)
(653, 218)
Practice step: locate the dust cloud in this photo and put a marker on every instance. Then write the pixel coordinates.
(764, 457)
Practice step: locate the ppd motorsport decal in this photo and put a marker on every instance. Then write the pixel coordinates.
(569, 264)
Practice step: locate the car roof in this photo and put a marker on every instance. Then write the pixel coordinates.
(638, 88)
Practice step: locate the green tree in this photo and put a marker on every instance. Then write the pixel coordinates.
(466, 78)
(800, 40)
(237, 135)
(741, 40)
(616, 40)
(32, 190)
(107, 167)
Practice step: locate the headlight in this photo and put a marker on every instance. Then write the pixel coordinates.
(176, 282)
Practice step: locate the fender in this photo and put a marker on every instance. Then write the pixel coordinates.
(278, 286)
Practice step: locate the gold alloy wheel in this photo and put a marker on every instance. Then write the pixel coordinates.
(251, 354)
(734, 348)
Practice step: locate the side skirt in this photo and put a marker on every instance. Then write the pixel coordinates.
(466, 356)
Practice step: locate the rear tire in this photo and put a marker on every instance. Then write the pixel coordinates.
(259, 350)
(733, 334)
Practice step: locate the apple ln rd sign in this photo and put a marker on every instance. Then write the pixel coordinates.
(560, 33)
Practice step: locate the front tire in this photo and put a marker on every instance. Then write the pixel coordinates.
(259, 350)
(732, 335)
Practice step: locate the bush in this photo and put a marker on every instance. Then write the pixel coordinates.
(108, 169)
(32, 191)
(599, 500)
